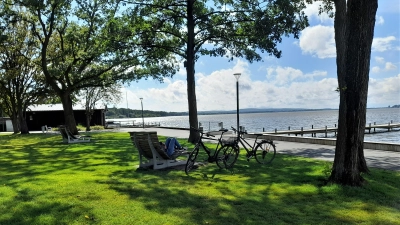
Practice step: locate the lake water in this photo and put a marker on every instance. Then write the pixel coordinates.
(257, 122)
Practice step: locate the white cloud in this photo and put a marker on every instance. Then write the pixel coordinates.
(375, 69)
(390, 66)
(281, 76)
(318, 41)
(384, 91)
(379, 20)
(379, 59)
(217, 91)
(312, 11)
(383, 44)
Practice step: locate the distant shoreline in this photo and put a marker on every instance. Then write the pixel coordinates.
(149, 113)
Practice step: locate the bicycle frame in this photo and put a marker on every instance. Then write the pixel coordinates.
(245, 144)
(211, 157)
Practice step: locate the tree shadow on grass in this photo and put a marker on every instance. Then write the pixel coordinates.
(248, 193)
(278, 188)
(31, 207)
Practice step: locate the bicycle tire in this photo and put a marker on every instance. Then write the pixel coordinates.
(191, 159)
(265, 152)
(227, 156)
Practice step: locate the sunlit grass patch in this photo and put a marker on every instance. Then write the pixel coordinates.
(44, 181)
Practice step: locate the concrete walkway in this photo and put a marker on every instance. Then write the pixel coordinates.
(375, 158)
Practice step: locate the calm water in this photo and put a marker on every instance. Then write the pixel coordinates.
(256, 122)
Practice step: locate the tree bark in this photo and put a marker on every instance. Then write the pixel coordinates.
(69, 112)
(190, 65)
(354, 31)
(15, 123)
(89, 114)
(22, 122)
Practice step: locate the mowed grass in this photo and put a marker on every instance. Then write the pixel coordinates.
(43, 181)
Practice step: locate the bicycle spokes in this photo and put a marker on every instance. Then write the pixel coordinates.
(227, 156)
(265, 152)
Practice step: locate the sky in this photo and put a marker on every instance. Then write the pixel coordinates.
(304, 77)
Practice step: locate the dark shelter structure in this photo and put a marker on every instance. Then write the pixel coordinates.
(53, 116)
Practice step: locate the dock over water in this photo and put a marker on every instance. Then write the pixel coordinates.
(313, 131)
(285, 136)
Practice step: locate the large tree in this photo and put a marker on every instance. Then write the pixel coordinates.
(354, 31)
(192, 28)
(90, 43)
(20, 83)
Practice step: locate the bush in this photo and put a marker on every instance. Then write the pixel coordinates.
(97, 127)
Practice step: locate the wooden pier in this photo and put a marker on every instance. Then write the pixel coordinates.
(313, 131)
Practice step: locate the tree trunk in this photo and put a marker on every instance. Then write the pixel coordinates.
(22, 122)
(190, 65)
(88, 118)
(354, 31)
(15, 123)
(69, 112)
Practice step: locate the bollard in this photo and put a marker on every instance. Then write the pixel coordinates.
(312, 134)
(335, 130)
(326, 132)
(302, 131)
(263, 129)
(275, 130)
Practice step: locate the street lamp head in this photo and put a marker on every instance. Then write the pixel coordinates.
(237, 75)
(141, 99)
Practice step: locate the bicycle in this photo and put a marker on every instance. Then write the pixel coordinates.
(263, 151)
(223, 145)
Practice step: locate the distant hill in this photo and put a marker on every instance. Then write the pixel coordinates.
(255, 110)
(114, 113)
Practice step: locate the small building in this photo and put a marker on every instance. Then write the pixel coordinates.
(52, 115)
(6, 125)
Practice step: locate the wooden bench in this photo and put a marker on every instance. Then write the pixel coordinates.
(151, 154)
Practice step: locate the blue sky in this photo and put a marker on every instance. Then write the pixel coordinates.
(304, 77)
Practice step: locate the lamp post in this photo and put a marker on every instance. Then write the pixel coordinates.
(141, 102)
(237, 75)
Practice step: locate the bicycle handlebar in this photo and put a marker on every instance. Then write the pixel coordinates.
(240, 132)
(201, 132)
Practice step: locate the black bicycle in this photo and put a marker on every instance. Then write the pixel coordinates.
(263, 150)
(225, 154)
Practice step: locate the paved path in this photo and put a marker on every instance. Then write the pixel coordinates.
(375, 158)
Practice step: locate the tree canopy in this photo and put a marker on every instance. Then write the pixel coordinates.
(90, 43)
(20, 81)
(232, 28)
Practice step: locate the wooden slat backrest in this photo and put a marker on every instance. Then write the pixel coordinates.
(157, 146)
(141, 141)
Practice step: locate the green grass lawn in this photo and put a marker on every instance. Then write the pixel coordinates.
(43, 181)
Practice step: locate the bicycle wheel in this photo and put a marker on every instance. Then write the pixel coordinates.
(191, 159)
(265, 152)
(227, 156)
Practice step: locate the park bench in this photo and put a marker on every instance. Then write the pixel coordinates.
(68, 137)
(151, 153)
